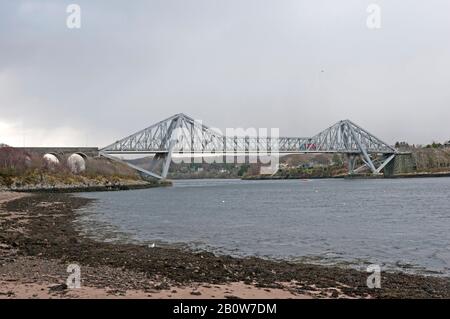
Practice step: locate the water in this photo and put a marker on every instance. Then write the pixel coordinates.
(399, 224)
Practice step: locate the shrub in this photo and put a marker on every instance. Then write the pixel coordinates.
(13, 160)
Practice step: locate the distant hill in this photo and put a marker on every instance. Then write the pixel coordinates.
(199, 170)
(422, 159)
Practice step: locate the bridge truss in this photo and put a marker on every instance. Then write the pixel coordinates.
(182, 136)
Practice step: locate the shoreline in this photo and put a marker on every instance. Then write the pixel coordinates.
(90, 188)
(38, 235)
(356, 176)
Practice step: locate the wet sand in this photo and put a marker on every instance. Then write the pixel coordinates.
(9, 196)
(38, 240)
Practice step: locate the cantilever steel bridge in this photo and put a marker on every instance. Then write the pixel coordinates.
(181, 135)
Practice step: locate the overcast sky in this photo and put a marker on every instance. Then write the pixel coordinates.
(298, 65)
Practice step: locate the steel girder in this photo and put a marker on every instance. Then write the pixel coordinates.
(180, 134)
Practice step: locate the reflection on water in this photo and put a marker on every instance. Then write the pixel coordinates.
(402, 223)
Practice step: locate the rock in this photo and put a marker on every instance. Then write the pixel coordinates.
(196, 293)
(57, 288)
(162, 286)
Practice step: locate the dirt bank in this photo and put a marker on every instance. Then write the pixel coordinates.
(37, 234)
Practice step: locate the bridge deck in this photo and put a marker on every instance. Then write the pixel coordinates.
(89, 151)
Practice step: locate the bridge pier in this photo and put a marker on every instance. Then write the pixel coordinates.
(375, 165)
(401, 164)
(161, 162)
(351, 159)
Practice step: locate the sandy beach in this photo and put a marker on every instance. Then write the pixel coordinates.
(39, 239)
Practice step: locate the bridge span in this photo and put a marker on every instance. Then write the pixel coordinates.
(181, 135)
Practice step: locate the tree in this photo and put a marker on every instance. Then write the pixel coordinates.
(12, 159)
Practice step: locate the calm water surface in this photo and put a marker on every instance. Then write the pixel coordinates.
(399, 224)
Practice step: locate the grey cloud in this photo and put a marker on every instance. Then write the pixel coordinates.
(297, 65)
